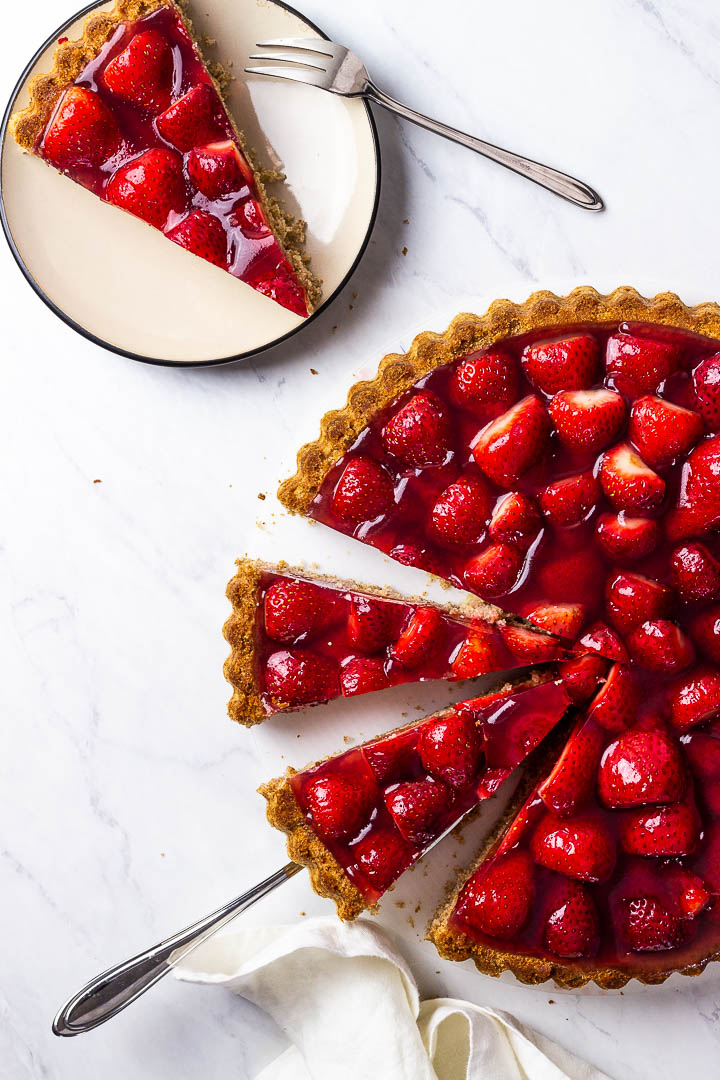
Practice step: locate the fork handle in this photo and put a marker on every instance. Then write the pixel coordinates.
(567, 187)
(108, 994)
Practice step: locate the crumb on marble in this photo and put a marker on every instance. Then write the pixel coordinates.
(261, 495)
(97, 481)
(404, 251)
(313, 371)
(334, 329)
(406, 221)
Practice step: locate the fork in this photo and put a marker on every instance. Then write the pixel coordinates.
(332, 67)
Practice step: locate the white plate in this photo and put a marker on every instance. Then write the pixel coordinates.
(120, 283)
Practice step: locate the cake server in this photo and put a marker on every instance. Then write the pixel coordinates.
(332, 67)
(109, 993)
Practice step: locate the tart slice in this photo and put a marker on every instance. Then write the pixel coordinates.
(530, 455)
(300, 639)
(611, 868)
(360, 819)
(132, 112)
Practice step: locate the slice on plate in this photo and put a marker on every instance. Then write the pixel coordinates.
(360, 819)
(132, 112)
(610, 870)
(531, 455)
(300, 639)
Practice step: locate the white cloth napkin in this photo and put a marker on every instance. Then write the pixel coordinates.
(350, 1007)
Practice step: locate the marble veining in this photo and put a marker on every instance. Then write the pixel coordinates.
(127, 798)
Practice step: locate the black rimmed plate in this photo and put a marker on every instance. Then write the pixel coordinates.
(120, 283)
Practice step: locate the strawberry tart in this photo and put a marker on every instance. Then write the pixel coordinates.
(300, 639)
(560, 460)
(133, 113)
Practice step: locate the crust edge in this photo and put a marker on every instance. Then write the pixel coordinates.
(398, 372)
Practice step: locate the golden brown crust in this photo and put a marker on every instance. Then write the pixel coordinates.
(72, 57)
(453, 944)
(69, 60)
(245, 705)
(326, 875)
(468, 333)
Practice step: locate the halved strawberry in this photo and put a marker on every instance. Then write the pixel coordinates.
(623, 538)
(393, 757)
(513, 443)
(300, 677)
(451, 748)
(416, 806)
(461, 512)
(696, 698)
(249, 216)
(683, 522)
(707, 391)
(527, 645)
(414, 555)
(615, 706)
(572, 780)
(582, 676)
(642, 767)
(143, 72)
(631, 599)
(638, 365)
(341, 804)
(485, 383)
(515, 520)
(371, 624)
(494, 571)
(572, 926)
(569, 501)
(695, 573)
(647, 925)
(218, 169)
(480, 653)
(570, 364)
(701, 474)
(580, 847)
(705, 630)
(497, 898)
(193, 120)
(565, 620)
(382, 856)
(150, 186)
(203, 234)
(628, 482)
(587, 420)
(420, 432)
(294, 608)
(364, 491)
(688, 894)
(660, 645)
(423, 635)
(660, 830)
(601, 639)
(363, 675)
(82, 131)
(662, 431)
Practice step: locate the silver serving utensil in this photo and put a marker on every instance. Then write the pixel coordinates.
(108, 994)
(332, 67)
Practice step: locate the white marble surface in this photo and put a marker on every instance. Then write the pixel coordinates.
(128, 804)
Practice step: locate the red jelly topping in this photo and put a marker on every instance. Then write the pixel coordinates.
(379, 806)
(315, 642)
(574, 479)
(144, 128)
